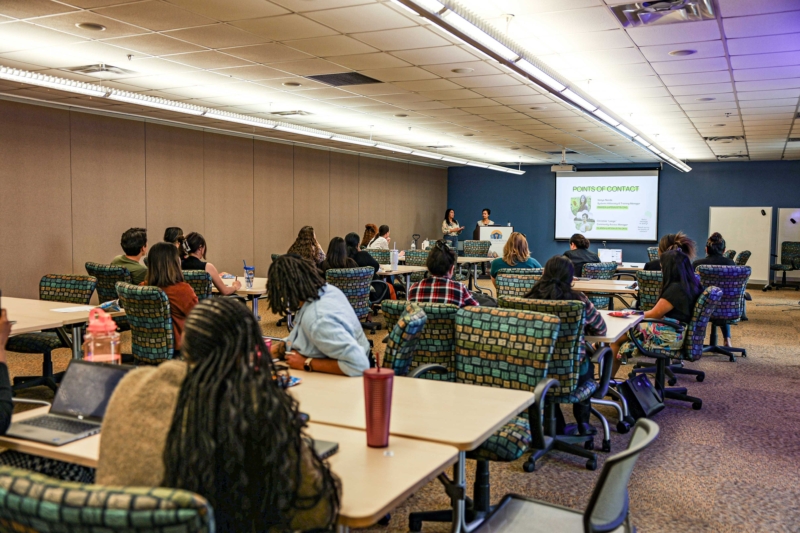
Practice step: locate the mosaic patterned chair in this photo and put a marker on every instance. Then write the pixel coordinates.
(355, 284)
(31, 502)
(692, 349)
(474, 249)
(733, 282)
(501, 348)
(742, 258)
(200, 280)
(403, 339)
(107, 278)
(649, 283)
(437, 344)
(514, 284)
(383, 257)
(790, 260)
(730, 254)
(72, 289)
(416, 258)
(147, 309)
(523, 271)
(652, 253)
(599, 271)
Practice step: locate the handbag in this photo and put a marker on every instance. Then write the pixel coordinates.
(643, 400)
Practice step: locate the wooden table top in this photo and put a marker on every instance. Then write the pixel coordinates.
(36, 315)
(466, 260)
(616, 327)
(386, 270)
(259, 286)
(604, 285)
(630, 266)
(458, 414)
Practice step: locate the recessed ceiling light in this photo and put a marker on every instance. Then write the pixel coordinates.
(291, 84)
(515, 147)
(401, 115)
(538, 107)
(726, 142)
(719, 125)
(705, 99)
(682, 52)
(463, 70)
(469, 135)
(90, 26)
(611, 145)
(581, 131)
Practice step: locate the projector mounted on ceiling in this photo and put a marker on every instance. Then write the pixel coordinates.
(663, 12)
(563, 166)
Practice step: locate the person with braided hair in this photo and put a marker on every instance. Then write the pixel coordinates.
(237, 436)
(673, 241)
(327, 336)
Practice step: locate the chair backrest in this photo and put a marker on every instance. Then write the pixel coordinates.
(477, 248)
(569, 349)
(67, 288)
(608, 506)
(733, 282)
(652, 253)
(790, 253)
(403, 338)
(200, 280)
(107, 278)
(696, 332)
(381, 256)
(515, 284)
(147, 310)
(730, 254)
(504, 348)
(437, 343)
(355, 284)
(416, 258)
(599, 271)
(523, 271)
(741, 259)
(35, 502)
(649, 283)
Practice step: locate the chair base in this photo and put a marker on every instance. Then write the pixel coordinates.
(722, 350)
(782, 285)
(679, 393)
(561, 443)
(26, 382)
(670, 371)
(371, 326)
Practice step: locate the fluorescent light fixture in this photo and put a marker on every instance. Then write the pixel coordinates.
(239, 119)
(431, 5)
(455, 160)
(478, 164)
(578, 100)
(641, 140)
(428, 155)
(307, 132)
(629, 132)
(393, 148)
(158, 103)
(540, 75)
(606, 117)
(353, 140)
(479, 36)
(50, 82)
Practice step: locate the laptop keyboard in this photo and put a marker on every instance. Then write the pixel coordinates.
(64, 425)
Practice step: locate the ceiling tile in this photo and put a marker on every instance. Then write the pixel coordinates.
(216, 36)
(209, 60)
(267, 53)
(354, 101)
(369, 61)
(308, 67)
(376, 89)
(713, 88)
(768, 110)
(427, 85)
(534, 99)
(154, 15)
(154, 44)
(285, 27)
(300, 6)
(498, 80)
(278, 83)
(227, 10)
(402, 39)
(687, 32)
(455, 94)
(24, 36)
(772, 73)
(334, 45)
(32, 8)
(764, 45)
(767, 85)
(769, 24)
(696, 78)
(355, 19)
(750, 104)
(252, 73)
(590, 41)
(782, 59)
(588, 19)
(691, 65)
(399, 74)
(766, 95)
(437, 55)
(67, 24)
(475, 68)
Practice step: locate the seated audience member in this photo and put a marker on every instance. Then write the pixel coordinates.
(370, 231)
(337, 256)
(174, 236)
(164, 272)
(556, 284)
(134, 244)
(515, 255)
(679, 292)
(381, 240)
(439, 287)
(579, 253)
(196, 245)
(715, 247)
(307, 246)
(672, 241)
(327, 336)
(364, 259)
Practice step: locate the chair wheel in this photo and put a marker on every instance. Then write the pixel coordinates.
(606, 446)
(591, 464)
(672, 381)
(414, 525)
(623, 427)
(701, 378)
(588, 445)
(385, 520)
(630, 421)
(529, 466)
(697, 406)
(744, 353)
(632, 375)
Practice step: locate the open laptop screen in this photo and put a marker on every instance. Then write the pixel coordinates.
(86, 389)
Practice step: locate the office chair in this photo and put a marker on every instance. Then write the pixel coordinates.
(355, 283)
(514, 284)
(649, 288)
(733, 282)
(652, 253)
(599, 271)
(107, 278)
(417, 258)
(790, 260)
(403, 339)
(147, 309)
(200, 281)
(742, 258)
(383, 257)
(730, 254)
(474, 249)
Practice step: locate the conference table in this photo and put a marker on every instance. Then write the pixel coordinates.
(616, 327)
(252, 294)
(474, 262)
(401, 270)
(374, 480)
(613, 288)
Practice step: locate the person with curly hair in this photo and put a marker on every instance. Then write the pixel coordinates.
(307, 246)
(370, 231)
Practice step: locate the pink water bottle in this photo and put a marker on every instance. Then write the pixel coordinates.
(101, 343)
(378, 401)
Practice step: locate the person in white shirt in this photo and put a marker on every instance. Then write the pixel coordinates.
(451, 229)
(381, 240)
(484, 221)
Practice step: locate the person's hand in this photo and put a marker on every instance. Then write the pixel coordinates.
(388, 239)
(236, 285)
(277, 349)
(5, 332)
(295, 360)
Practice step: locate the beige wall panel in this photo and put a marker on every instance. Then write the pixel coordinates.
(432, 200)
(273, 192)
(344, 195)
(35, 206)
(312, 192)
(228, 178)
(400, 204)
(174, 176)
(372, 191)
(108, 185)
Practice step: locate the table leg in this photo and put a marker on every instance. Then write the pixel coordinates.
(77, 342)
(340, 528)
(255, 308)
(408, 285)
(459, 522)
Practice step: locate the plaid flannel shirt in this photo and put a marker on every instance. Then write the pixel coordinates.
(441, 290)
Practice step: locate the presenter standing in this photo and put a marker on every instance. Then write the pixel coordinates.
(451, 229)
(484, 221)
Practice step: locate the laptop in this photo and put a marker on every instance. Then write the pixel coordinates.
(79, 405)
(324, 448)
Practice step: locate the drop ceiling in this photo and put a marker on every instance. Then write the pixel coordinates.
(248, 56)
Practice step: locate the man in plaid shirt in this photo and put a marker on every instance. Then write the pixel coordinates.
(439, 287)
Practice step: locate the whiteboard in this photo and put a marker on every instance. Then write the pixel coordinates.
(788, 232)
(744, 228)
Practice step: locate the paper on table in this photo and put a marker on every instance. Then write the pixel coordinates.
(75, 309)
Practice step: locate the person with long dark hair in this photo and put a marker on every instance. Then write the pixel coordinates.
(237, 436)
(450, 228)
(174, 236)
(381, 290)
(381, 240)
(164, 271)
(680, 289)
(579, 253)
(307, 246)
(327, 335)
(195, 260)
(556, 284)
(672, 241)
(370, 231)
(337, 256)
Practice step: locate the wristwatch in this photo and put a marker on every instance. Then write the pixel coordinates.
(307, 365)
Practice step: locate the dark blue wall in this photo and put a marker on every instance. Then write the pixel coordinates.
(528, 201)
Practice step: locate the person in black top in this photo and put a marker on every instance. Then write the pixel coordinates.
(715, 247)
(680, 289)
(196, 245)
(579, 253)
(337, 256)
(364, 259)
(6, 406)
(672, 241)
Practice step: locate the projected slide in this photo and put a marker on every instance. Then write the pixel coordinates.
(612, 206)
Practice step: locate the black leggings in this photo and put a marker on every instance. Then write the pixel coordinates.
(581, 410)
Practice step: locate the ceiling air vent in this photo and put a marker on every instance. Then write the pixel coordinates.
(660, 12)
(558, 152)
(441, 146)
(733, 156)
(344, 78)
(794, 140)
(728, 138)
(295, 113)
(100, 70)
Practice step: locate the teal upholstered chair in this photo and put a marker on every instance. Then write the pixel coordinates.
(649, 287)
(403, 338)
(730, 254)
(742, 258)
(416, 258)
(70, 289)
(514, 284)
(200, 280)
(31, 502)
(790, 260)
(523, 271)
(107, 278)
(475, 249)
(355, 284)
(437, 343)
(383, 257)
(652, 253)
(732, 280)
(599, 271)
(147, 309)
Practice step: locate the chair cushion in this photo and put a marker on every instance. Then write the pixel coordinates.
(579, 394)
(34, 343)
(781, 267)
(507, 444)
(518, 514)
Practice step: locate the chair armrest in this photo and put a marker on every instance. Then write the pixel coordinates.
(619, 275)
(32, 402)
(677, 327)
(536, 412)
(429, 368)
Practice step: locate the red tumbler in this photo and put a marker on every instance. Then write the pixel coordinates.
(378, 401)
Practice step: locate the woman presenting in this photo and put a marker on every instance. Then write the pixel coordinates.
(451, 229)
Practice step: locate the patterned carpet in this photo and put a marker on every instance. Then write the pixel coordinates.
(731, 466)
